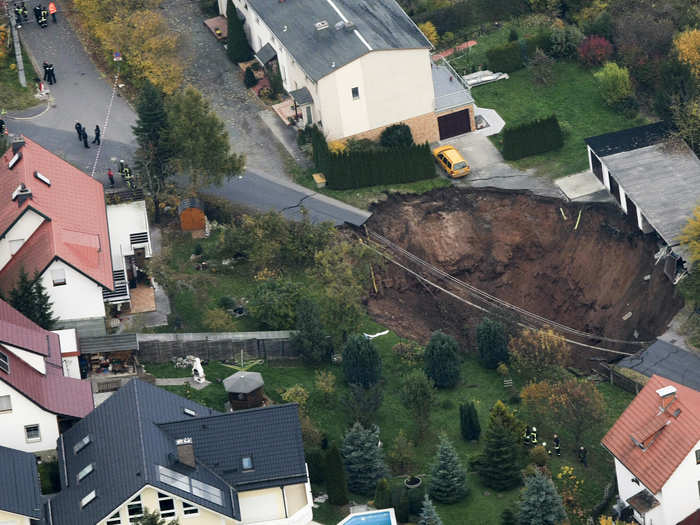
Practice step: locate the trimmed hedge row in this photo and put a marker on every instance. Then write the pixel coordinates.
(532, 138)
(471, 13)
(359, 169)
(514, 55)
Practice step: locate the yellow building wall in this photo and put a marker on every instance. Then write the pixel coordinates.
(9, 518)
(296, 498)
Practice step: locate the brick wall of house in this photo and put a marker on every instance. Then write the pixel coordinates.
(472, 122)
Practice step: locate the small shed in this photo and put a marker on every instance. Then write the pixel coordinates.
(245, 390)
(191, 213)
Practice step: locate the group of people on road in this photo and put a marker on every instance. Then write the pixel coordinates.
(83, 136)
(530, 440)
(41, 14)
(49, 73)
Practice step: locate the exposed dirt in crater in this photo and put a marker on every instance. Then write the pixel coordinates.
(518, 247)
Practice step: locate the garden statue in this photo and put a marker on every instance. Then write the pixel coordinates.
(198, 371)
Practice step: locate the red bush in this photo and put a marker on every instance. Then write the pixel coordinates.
(594, 50)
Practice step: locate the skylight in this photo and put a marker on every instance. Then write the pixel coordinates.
(88, 498)
(193, 486)
(84, 473)
(42, 178)
(80, 445)
(15, 160)
(190, 412)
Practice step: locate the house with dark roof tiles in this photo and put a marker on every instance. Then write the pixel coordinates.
(146, 448)
(20, 497)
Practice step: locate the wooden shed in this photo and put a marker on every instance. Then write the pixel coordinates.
(245, 390)
(191, 213)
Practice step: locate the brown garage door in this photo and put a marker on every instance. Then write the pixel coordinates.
(453, 124)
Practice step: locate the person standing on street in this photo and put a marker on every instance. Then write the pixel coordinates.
(23, 9)
(18, 16)
(44, 18)
(79, 130)
(45, 65)
(557, 444)
(96, 140)
(110, 175)
(37, 12)
(52, 11)
(85, 137)
(52, 74)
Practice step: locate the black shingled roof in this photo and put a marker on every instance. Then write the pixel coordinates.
(628, 139)
(666, 360)
(19, 480)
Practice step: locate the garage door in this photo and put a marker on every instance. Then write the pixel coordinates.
(453, 124)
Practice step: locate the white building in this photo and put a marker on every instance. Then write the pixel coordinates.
(656, 446)
(37, 399)
(354, 68)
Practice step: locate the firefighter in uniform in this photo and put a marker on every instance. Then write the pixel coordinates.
(557, 445)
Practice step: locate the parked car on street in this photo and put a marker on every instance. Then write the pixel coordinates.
(451, 161)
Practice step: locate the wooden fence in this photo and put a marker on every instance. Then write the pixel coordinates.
(616, 378)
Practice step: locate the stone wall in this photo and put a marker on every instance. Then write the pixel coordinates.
(424, 129)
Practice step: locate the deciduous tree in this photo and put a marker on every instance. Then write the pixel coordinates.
(442, 360)
(595, 50)
(614, 84)
(402, 455)
(430, 32)
(274, 303)
(363, 458)
(540, 504)
(448, 478)
(538, 354)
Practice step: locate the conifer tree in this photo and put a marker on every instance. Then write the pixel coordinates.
(335, 477)
(508, 517)
(469, 421)
(498, 466)
(403, 507)
(363, 458)
(30, 298)
(311, 340)
(237, 46)
(382, 495)
(492, 342)
(442, 360)
(428, 514)
(540, 503)
(448, 481)
(362, 364)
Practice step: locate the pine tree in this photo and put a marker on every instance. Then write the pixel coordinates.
(237, 46)
(498, 466)
(508, 517)
(492, 342)
(382, 495)
(540, 504)
(403, 507)
(335, 477)
(362, 364)
(442, 360)
(30, 298)
(469, 421)
(448, 480)
(428, 515)
(363, 458)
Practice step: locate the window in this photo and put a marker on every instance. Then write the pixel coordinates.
(84, 473)
(87, 499)
(80, 445)
(193, 486)
(697, 452)
(167, 506)
(58, 276)
(4, 363)
(247, 463)
(135, 509)
(189, 510)
(15, 246)
(114, 519)
(5, 404)
(32, 433)
(355, 93)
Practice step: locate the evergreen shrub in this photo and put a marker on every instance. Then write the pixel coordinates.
(506, 58)
(532, 138)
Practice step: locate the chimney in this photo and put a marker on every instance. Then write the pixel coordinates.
(667, 395)
(17, 144)
(21, 194)
(185, 452)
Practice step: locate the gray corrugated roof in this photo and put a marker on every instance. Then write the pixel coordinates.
(266, 53)
(109, 343)
(301, 96)
(271, 436)
(19, 480)
(449, 91)
(243, 382)
(663, 181)
(191, 202)
(666, 360)
(381, 23)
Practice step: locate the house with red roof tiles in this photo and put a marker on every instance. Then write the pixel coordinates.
(656, 447)
(37, 400)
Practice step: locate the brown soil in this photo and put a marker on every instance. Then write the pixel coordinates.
(519, 248)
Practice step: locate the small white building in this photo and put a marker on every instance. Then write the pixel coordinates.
(355, 68)
(656, 447)
(68, 338)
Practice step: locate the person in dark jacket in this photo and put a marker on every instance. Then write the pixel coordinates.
(85, 137)
(96, 140)
(79, 130)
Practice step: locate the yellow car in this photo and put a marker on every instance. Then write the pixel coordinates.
(451, 161)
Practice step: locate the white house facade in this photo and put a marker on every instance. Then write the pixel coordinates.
(26, 426)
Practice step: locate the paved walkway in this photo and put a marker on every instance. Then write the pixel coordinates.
(80, 94)
(584, 187)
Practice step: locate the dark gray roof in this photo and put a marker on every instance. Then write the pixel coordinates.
(190, 202)
(243, 382)
(666, 360)
(378, 25)
(302, 96)
(266, 53)
(448, 88)
(19, 479)
(270, 436)
(628, 139)
(108, 343)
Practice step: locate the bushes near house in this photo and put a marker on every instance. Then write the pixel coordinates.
(615, 86)
(469, 421)
(361, 362)
(357, 169)
(335, 477)
(506, 58)
(595, 50)
(249, 78)
(396, 136)
(532, 138)
(442, 361)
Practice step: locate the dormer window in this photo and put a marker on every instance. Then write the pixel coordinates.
(247, 463)
(80, 445)
(4, 363)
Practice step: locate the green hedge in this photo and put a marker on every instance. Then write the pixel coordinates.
(514, 55)
(532, 138)
(358, 169)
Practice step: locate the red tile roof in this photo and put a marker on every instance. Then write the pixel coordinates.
(673, 442)
(693, 519)
(52, 391)
(76, 230)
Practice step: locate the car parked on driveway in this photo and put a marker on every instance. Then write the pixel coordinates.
(451, 161)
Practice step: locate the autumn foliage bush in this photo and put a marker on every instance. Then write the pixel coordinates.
(595, 50)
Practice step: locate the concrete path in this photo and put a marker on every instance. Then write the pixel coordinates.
(80, 94)
(584, 187)
(496, 123)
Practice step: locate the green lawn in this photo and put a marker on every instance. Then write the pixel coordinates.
(573, 96)
(12, 94)
(484, 386)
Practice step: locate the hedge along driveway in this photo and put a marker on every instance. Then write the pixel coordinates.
(573, 97)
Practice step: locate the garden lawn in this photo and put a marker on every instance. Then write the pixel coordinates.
(12, 94)
(573, 97)
(482, 385)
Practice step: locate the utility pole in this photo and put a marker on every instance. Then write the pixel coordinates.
(18, 48)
